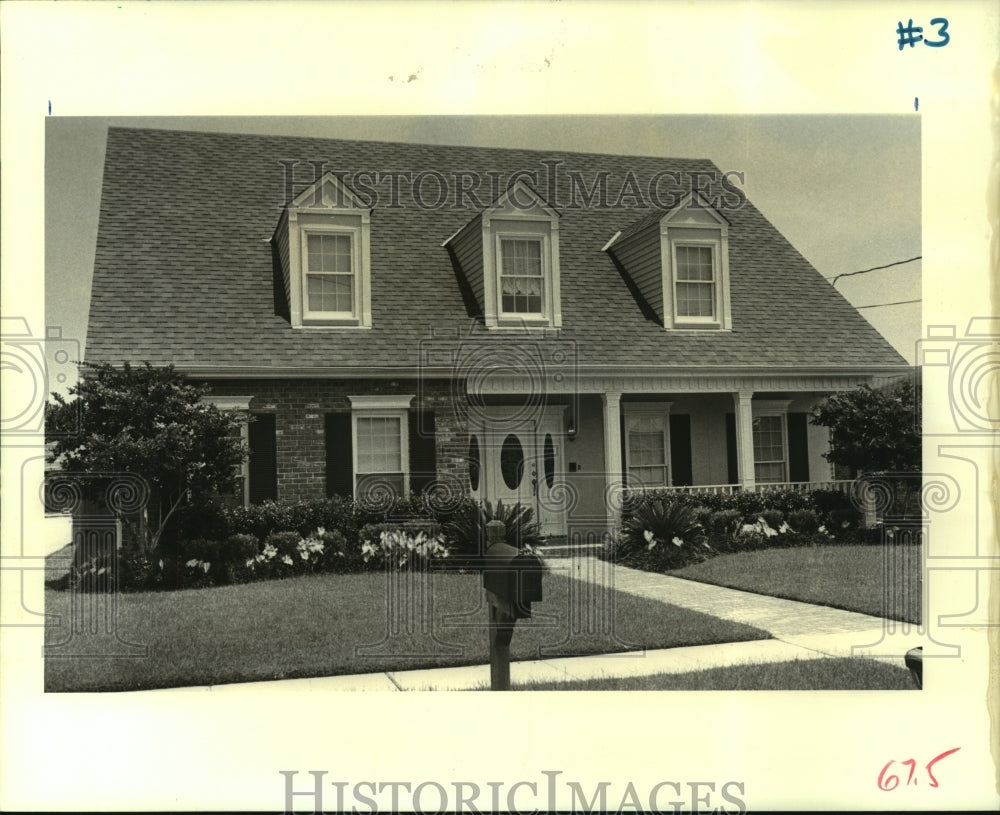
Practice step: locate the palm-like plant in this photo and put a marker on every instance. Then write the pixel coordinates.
(465, 531)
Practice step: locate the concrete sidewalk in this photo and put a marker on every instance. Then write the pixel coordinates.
(800, 631)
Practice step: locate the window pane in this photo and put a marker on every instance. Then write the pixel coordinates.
(694, 263)
(380, 448)
(647, 450)
(331, 292)
(521, 281)
(329, 253)
(696, 299)
(768, 449)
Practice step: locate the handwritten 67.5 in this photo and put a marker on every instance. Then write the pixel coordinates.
(889, 781)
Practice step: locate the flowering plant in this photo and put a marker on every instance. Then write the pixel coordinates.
(402, 550)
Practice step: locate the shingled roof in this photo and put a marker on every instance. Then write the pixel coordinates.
(185, 270)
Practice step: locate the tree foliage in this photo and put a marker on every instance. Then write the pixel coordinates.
(148, 422)
(874, 430)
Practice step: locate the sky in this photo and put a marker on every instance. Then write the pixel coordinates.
(845, 190)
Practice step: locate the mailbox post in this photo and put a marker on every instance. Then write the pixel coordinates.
(512, 581)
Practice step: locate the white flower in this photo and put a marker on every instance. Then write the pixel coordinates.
(648, 536)
(205, 566)
(286, 560)
(784, 527)
(251, 562)
(193, 563)
(677, 541)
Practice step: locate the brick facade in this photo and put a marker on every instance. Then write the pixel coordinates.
(300, 407)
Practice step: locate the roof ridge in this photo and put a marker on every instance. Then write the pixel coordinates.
(412, 144)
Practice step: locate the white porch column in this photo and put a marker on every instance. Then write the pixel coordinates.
(612, 453)
(744, 439)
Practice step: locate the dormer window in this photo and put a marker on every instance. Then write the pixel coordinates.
(679, 262)
(522, 281)
(509, 255)
(695, 290)
(324, 243)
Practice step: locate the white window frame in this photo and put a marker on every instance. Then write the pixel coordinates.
(241, 406)
(631, 410)
(546, 269)
(329, 207)
(347, 317)
(381, 407)
(680, 228)
(510, 219)
(777, 409)
(714, 247)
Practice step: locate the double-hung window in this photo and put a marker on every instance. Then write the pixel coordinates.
(323, 245)
(330, 274)
(769, 459)
(381, 445)
(647, 445)
(695, 282)
(522, 278)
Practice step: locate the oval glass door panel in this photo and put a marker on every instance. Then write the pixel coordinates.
(550, 461)
(512, 461)
(474, 463)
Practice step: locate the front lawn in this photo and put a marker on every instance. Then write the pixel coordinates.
(803, 674)
(869, 579)
(315, 626)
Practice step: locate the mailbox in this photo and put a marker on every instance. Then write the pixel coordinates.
(512, 580)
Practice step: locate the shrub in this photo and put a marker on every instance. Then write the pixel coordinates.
(465, 530)
(773, 519)
(722, 527)
(662, 534)
(804, 521)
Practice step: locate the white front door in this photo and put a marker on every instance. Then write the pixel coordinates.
(522, 463)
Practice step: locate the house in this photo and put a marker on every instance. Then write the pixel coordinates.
(520, 325)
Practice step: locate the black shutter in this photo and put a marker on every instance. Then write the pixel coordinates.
(680, 450)
(731, 464)
(339, 455)
(423, 456)
(263, 463)
(798, 447)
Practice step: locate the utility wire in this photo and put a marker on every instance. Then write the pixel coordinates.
(897, 303)
(835, 278)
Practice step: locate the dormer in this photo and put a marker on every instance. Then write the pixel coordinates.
(509, 256)
(324, 246)
(679, 262)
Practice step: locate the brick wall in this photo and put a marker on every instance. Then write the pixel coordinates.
(300, 405)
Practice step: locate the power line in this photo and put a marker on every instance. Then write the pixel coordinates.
(835, 278)
(897, 303)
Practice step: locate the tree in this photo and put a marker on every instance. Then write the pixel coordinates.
(148, 422)
(874, 430)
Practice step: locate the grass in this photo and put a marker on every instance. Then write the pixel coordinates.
(804, 674)
(868, 579)
(315, 626)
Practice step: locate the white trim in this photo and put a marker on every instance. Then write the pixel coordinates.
(346, 317)
(715, 235)
(545, 264)
(610, 243)
(229, 402)
(349, 206)
(380, 402)
(240, 404)
(771, 408)
(381, 407)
